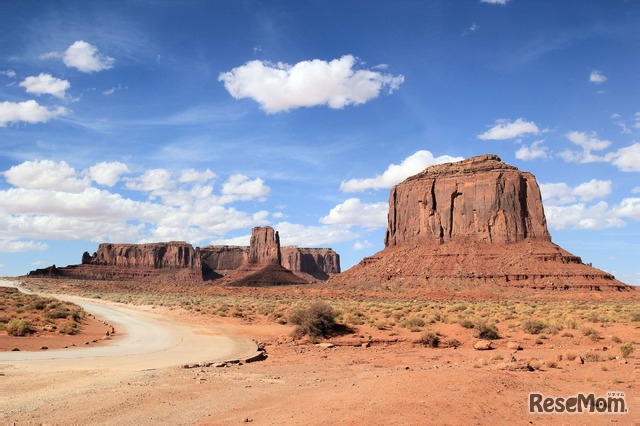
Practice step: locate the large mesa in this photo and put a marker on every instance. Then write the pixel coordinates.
(477, 221)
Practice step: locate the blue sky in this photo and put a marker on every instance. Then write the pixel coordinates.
(197, 120)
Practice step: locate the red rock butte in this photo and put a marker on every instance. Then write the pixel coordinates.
(263, 262)
(476, 221)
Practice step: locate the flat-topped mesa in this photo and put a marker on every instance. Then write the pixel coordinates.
(264, 246)
(171, 255)
(479, 199)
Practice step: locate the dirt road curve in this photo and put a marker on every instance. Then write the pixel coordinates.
(148, 341)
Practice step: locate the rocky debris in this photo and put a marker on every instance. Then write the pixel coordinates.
(474, 222)
(514, 346)
(483, 345)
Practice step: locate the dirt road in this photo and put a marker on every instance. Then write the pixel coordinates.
(149, 340)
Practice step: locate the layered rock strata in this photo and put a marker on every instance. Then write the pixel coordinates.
(476, 221)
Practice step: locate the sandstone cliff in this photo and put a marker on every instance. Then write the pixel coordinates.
(477, 221)
(320, 263)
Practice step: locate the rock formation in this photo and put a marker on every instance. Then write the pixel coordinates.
(477, 221)
(264, 265)
(180, 262)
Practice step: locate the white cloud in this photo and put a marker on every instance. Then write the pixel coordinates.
(588, 143)
(627, 159)
(292, 234)
(280, 215)
(9, 73)
(15, 246)
(504, 129)
(597, 77)
(629, 207)
(636, 190)
(28, 111)
(560, 193)
(152, 180)
(192, 175)
(636, 120)
(361, 245)
(46, 84)
(533, 152)
(46, 174)
(240, 187)
(500, 2)
(108, 173)
(52, 200)
(396, 173)
(582, 216)
(86, 58)
(354, 212)
(281, 87)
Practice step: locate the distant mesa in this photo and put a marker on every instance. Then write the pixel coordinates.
(264, 262)
(476, 221)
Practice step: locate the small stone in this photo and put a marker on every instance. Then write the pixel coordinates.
(44, 348)
(366, 344)
(483, 345)
(15, 350)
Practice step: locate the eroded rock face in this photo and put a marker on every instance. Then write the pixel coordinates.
(176, 255)
(479, 199)
(475, 222)
(320, 263)
(265, 246)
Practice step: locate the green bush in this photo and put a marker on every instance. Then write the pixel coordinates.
(70, 327)
(430, 339)
(413, 322)
(533, 326)
(316, 320)
(626, 349)
(485, 331)
(18, 327)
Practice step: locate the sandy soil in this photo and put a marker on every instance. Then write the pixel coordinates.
(390, 380)
(303, 383)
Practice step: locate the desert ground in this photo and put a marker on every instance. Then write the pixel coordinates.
(380, 369)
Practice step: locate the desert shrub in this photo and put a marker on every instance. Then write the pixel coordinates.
(18, 327)
(635, 316)
(430, 339)
(566, 334)
(316, 320)
(458, 308)
(412, 322)
(591, 357)
(616, 339)
(592, 333)
(58, 313)
(533, 326)
(466, 323)
(485, 331)
(626, 350)
(452, 343)
(570, 355)
(70, 327)
(551, 363)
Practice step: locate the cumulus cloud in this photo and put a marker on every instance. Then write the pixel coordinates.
(15, 246)
(627, 159)
(292, 234)
(583, 216)
(9, 73)
(561, 193)
(281, 87)
(86, 58)
(567, 207)
(28, 112)
(46, 84)
(46, 174)
(354, 212)
(52, 200)
(192, 175)
(361, 245)
(533, 152)
(597, 77)
(240, 187)
(152, 180)
(396, 173)
(588, 143)
(108, 173)
(504, 129)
